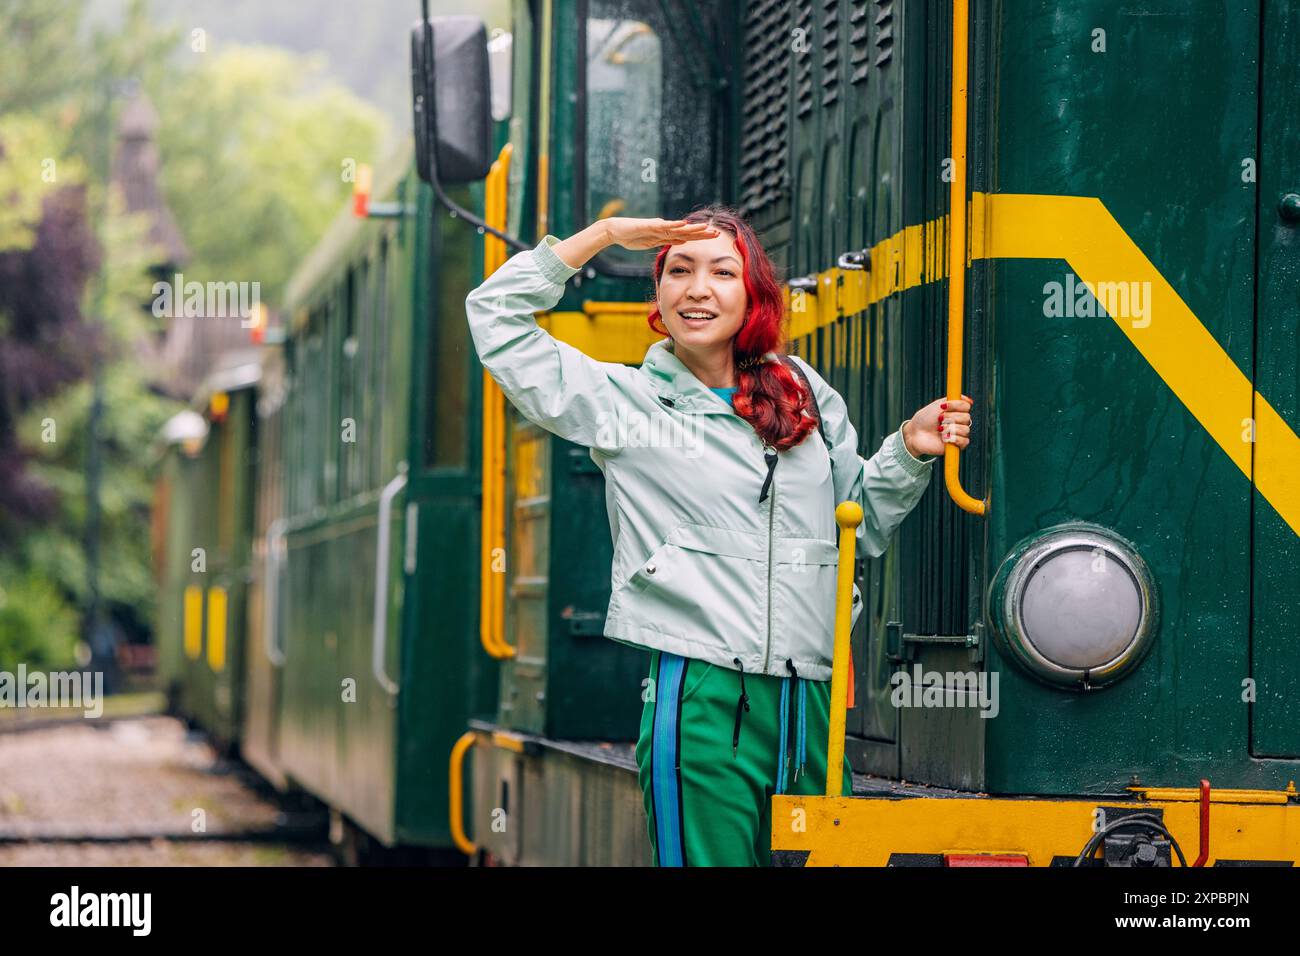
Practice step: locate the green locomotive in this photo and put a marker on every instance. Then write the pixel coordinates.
(1086, 621)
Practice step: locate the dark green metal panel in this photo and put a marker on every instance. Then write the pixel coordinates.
(567, 680)
(338, 726)
(259, 731)
(178, 477)
(877, 181)
(447, 676)
(869, 99)
(1275, 724)
(594, 683)
(210, 508)
(940, 566)
(1083, 428)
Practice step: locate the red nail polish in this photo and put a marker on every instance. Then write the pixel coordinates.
(940, 419)
(944, 405)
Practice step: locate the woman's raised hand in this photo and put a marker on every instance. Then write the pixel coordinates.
(629, 233)
(940, 423)
(649, 233)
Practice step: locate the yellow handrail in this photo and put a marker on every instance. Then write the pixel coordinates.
(848, 516)
(957, 252)
(492, 584)
(457, 801)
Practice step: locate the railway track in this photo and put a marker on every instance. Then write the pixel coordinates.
(141, 789)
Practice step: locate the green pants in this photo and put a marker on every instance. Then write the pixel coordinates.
(708, 778)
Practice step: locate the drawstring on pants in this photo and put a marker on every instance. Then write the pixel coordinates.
(795, 735)
(742, 705)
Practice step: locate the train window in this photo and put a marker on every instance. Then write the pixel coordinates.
(499, 53)
(376, 303)
(447, 372)
(378, 370)
(226, 453)
(328, 426)
(311, 414)
(354, 435)
(650, 114)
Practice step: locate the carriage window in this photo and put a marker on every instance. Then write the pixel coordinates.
(446, 440)
(651, 115)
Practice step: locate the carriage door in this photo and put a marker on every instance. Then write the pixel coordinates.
(1275, 640)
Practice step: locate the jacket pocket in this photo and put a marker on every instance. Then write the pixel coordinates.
(704, 585)
(803, 594)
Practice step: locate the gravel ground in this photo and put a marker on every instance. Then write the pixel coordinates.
(144, 775)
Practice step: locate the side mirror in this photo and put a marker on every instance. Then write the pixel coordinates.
(451, 100)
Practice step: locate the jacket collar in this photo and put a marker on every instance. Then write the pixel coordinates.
(674, 381)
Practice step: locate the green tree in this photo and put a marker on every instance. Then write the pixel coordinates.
(256, 145)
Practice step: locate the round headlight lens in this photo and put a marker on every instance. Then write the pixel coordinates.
(1074, 606)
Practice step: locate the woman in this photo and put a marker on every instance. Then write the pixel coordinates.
(721, 495)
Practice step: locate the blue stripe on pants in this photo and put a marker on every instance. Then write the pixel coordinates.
(785, 719)
(665, 781)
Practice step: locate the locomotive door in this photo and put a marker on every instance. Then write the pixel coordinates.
(1275, 635)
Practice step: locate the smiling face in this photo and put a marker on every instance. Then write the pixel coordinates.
(701, 294)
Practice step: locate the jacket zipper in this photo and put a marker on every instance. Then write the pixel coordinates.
(769, 454)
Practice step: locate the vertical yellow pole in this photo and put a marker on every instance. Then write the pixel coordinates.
(848, 516)
(957, 250)
(492, 591)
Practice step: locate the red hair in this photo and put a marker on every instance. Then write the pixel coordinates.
(768, 394)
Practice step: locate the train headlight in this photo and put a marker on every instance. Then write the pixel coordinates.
(1075, 606)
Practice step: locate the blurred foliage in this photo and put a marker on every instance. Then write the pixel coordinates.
(366, 44)
(39, 62)
(37, 626)
(253, 142)
(56, 431)
(33, 162)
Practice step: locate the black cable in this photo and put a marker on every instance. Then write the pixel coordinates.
(430, 121)
(1136, 819)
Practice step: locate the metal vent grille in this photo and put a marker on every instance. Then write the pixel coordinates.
(764, 177)
(803, 82)
(884, 32)
(830, 51)
(859, 42)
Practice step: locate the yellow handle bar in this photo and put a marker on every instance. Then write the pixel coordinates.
(457, 801)
(957, 252)
(848, 516)
(492, 583)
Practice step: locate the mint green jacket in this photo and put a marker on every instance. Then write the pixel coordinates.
(712, 559)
